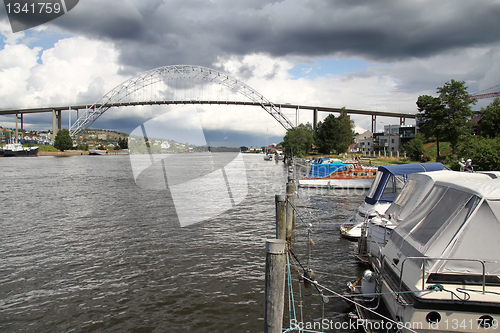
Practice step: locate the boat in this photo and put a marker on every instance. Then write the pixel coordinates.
(388, 182)
(101, 150)
(331, 173)
(440, 269)
(377, 230)
(16, 150)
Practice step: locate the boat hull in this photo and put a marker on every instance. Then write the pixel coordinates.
(97, 152)
(357, 183)
(20, 153)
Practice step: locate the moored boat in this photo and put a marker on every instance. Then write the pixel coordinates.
(387, 184)
(17, 150)
(440, 269)
(98, 151)
(338, 174)
(377, 230)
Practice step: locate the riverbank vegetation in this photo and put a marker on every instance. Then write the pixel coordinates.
(454, 132)
(449, 131)
(331, 136)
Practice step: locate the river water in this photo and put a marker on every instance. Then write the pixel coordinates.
(84, 247)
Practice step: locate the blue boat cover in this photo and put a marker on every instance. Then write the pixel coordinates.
(323, 167)
(385, 173)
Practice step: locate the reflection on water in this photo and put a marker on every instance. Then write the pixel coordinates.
(84, 248)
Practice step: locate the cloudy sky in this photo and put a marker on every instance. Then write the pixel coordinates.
(370, 55)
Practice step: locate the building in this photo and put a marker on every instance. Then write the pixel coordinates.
(392, 140)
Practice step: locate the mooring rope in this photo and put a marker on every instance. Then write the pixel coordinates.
(357, 304)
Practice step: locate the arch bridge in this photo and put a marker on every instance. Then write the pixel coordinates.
(161, 85)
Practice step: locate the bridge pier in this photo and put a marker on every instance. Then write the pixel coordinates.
(315, 118)
(56, 120)
(374, 123)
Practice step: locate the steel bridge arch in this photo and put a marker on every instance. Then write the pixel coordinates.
(132, 85)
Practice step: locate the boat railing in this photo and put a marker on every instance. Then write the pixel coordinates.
(482, 262)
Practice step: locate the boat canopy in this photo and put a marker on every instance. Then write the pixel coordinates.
(456, 220)
(418, 185)
(390, 180)
(323, 167)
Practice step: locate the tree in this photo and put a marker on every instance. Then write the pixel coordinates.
(490, 124)
(458, 110)
(334, 134)
(432, 116)
(63, 140)
(415, 148)
(123, 143)
(298, 140)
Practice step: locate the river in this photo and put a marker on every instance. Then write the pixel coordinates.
(86, 248)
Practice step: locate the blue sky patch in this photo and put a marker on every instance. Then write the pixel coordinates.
(322, 67)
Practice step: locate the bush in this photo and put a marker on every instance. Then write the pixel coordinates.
(485, 153)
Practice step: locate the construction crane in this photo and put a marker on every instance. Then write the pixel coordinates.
(487, 95)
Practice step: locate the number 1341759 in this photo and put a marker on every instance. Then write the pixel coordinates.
(34, 8)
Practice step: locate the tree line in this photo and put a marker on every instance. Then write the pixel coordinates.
(448, 118)
(332, 135)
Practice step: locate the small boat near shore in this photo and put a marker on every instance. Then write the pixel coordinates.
(440, 268)
(17, 150)
(388, 182)
(98, 151)
(328, 173)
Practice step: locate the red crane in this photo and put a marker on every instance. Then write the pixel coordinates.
(487, 95)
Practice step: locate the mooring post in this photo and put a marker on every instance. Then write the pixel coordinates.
(275, 285)
(290, 212)
(280, 201)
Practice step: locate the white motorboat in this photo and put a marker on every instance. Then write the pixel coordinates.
(16, 150)
(377, 230)
(388, 182)
(440, 269)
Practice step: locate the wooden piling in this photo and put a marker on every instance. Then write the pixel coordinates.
(280, 201)
(275, 285)
(290, 212)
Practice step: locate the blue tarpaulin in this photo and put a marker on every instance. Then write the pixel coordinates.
(390, 174)
(323, 167)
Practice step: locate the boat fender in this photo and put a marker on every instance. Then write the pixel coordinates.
(308, 274)
(368, 283)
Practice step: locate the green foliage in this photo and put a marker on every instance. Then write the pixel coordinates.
(298, 140)
(123, 143)
(432, 115)
(63, 140)
(484, 152)
(490, 124)
(415, 148)
(82, 147)
(46, 148)
(457, 102)
(334, 134)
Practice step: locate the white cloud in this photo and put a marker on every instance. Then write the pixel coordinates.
(75, 68)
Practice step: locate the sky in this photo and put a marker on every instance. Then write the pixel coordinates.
(369, 55)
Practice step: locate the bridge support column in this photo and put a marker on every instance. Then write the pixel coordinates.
(315, 118)
(59, 123)
(297, 116)
(15, 140)
(402, 121)
(54, 128)
(374, 123)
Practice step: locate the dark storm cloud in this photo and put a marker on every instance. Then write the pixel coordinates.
(155, 33)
